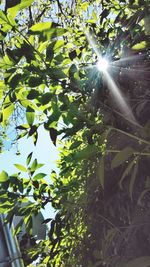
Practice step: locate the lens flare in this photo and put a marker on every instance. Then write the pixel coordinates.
(102, 64)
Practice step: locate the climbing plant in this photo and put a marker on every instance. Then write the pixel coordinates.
(50, 78)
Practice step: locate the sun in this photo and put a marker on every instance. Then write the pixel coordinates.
(102, 64)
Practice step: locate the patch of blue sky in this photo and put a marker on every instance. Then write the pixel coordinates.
(45, 152)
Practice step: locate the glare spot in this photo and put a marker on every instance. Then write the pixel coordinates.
(102, 64)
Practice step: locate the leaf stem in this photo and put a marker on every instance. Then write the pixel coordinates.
(131, 136)
(135, 153)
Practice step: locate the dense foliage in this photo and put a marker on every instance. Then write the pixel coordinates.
(49, 79)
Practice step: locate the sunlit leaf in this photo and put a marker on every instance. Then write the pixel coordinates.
(39, 176)
(34, 165)
(7, 111)
(20, 167)
(3, 177)
(140, 46)
(41, 26)
(13, 10)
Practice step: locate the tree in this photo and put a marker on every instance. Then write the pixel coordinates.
(50, 76)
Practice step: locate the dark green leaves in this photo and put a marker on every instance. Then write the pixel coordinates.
(53, 135)
(29, 158)
(87, 152)
(30, 115)
(34, 81)
(122, 157)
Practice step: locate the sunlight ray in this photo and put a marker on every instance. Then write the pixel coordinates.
(103, 65)
(119, 98)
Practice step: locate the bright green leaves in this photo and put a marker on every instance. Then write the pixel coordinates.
(3, 177)
(140, 46)
(47, 30)
(31, 168)
(20, 167)
(30, 115)
(39, 176)
(3, 18)
(7, 22)
(7, 111)
(41, 26)
(19, 5)
(34, 165)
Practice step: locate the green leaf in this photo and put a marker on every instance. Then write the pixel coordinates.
(39, 176)
(15, 8)
(84, 6)
(30, 115)
(41, 26)
(139, 262)
(140, 46)
(56, 73)
(34, 165)
(29, 158)
(122, 157)
(3, 210)
(34, 81)
(75, 145)
(3, 18)
(7, 111)
(46, 98)
(132, 180)
(53, 33)
(100, 172)
(20, 167)
(3, 176)
(87, 152)
(33, 94)
(53, 46)
(15, 80)
(53, 135)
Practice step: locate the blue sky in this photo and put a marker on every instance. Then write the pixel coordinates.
(44, 151)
